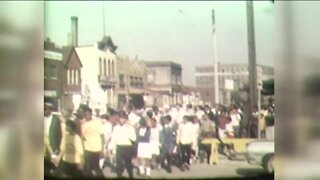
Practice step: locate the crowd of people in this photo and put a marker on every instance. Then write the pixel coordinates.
(84, 143)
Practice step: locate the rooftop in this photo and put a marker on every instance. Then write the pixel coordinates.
(162, 63)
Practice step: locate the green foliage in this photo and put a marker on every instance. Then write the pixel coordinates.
(269, 120)
(268, 87)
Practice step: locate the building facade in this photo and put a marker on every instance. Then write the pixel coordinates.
(98, 75)
(72, 77)
(164, 82)
(131, 86)
(234, 75)
(62, 75)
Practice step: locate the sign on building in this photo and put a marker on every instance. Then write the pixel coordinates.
(48, 93)
(52, 55)
(229, 85)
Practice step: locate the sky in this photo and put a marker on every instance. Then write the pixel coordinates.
(178, 31)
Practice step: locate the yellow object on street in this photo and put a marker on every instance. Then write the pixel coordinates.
(238, 143)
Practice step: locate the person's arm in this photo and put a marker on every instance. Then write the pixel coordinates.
(101, 131)
(132, 134)
(178, 135)
(112, 145)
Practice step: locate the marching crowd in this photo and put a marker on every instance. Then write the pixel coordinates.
(83, 144)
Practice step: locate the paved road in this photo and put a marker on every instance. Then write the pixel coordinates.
(226, 168)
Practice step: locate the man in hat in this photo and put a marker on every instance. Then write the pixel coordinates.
(53, 136)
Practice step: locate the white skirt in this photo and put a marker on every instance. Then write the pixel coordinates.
(144, 150)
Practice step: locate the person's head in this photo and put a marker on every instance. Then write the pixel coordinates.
(194, 119)
(177, 107)
(167, 119)
(143, 122)
(71, 126)
(123, 117)
(206, 108)
(155, 109)
(47, 109)
(114, 117)
(188, 119)
(97, 111)
(149, 114)
(87, 113)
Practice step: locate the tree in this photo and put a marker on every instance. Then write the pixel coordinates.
(268, 87)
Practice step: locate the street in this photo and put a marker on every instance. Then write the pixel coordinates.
(226, 169)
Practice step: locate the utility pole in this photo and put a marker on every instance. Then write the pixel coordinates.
(216, 80)
(252, 58)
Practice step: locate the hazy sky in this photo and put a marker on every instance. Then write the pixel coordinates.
(178, 31)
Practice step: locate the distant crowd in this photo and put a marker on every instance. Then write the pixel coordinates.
(84, 143)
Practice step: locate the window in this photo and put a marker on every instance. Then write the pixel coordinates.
(46, 72)
(112, 67)
(100, 66)
(109, 66)
(71, 76)
(76, 77)
(104, 66)
(68, 76)
(54, 72)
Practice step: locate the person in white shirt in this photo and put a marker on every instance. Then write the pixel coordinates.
(122, 140)
(195, 134)
(229, 128)
(235, 121)
(184, 140)
(134, 118)
(200, 112)
(155, 142)
(92, 131)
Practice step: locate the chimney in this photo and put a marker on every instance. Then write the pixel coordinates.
(70, 41)
(74, 30)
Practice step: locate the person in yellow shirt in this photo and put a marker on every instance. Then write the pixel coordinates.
(71, 152)
(93, 137)
(262, 122)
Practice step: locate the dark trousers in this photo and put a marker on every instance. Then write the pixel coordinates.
(124, 160)
(207, 149)
(48, 166)
(92, 163)
(186, 153)
(166, 156)
(70, 169)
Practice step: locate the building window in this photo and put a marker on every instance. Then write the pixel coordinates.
(46, 72)
(76, 77)
(71, 76)
(112, 68)
(68, 76)
(109, 66)
(104, 66)
(100, 66)
(54, 72)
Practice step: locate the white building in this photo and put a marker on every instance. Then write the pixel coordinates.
(98, 74)
(236, 75)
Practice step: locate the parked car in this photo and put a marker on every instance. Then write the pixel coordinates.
(261, 152)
